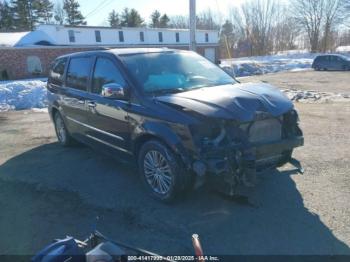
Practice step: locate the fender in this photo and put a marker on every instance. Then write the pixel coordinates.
(163, 132)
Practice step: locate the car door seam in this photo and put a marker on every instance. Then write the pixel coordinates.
(94, 128)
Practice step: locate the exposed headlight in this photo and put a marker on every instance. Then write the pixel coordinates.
(208, 134)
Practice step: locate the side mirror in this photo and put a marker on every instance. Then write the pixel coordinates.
(113, 90)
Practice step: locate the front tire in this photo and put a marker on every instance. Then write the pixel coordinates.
(161, 171)
(63, 136)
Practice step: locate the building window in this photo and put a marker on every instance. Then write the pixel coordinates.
(206, 37)
(34, 65)
(71, 36)
(177, 36)
(98, 36)
(142, 37)
(160, 36)
(121, 36)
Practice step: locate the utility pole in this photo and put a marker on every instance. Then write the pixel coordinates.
(193, 25)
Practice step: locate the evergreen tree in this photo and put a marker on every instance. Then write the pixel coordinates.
(42, 11)
(6, 18)
(74, 16)
(155, 18)
(22, 14)
(113, 19)
(131, 18)
(164, 21)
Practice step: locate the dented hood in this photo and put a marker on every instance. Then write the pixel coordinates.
(239, 102)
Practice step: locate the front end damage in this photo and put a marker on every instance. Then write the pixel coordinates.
(232, 153)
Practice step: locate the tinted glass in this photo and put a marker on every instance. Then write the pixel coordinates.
(105, 72)
(321, 59)
(57, 71)
(169, 72)
(160, 36)
(78, 72)
(338, 59)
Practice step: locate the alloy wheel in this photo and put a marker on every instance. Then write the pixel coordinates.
(60, 129)
(157, 172)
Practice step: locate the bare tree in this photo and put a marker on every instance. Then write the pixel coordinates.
(207, 20)
(178, 21)
(59, 13)
(309, 14)
(285, 30)
(258, 18)
(334, 15)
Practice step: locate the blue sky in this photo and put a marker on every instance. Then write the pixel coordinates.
(97, 11)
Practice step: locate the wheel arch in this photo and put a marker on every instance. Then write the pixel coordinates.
(163, 134)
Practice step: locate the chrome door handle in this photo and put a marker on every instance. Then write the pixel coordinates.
(81, 102)
(91, 104)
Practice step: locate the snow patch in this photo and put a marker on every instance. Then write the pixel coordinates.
(293, 60)
(24, 94)
(258, 65)
(312, 96)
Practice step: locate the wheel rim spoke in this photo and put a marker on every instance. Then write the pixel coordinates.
(157, 172)
(60, 129)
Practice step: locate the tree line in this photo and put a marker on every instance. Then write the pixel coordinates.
(257, 27)
(24, 15)
(261, 27)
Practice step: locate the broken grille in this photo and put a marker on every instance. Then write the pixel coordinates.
(263, 131)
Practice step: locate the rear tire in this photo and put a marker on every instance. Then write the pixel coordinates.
(161, 171)
(63, 136)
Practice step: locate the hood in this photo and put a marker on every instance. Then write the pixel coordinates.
(235, 102)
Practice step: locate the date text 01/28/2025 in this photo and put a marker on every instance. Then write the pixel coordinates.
(173, 258)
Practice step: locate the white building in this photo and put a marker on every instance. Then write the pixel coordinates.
(47, 42)
(59, 35)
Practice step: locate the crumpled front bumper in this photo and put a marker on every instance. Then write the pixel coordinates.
(237, 158)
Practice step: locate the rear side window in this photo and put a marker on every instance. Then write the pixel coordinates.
(105, 73)
(57, 71)
(78, 72)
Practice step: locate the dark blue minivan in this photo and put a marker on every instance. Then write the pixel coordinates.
(331, 62)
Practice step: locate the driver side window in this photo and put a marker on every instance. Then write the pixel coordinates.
(105, 72)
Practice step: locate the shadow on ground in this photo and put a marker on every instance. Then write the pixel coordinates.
(50, 191)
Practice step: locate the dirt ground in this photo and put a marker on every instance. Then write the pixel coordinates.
(322, 81)
(48, 192)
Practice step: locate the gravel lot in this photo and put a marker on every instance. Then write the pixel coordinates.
(322, 81)
(47, 191)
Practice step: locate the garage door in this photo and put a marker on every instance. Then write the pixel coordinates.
(210, 54)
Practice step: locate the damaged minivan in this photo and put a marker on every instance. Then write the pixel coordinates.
(181, 118)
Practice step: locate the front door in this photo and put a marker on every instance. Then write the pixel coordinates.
(107, 117)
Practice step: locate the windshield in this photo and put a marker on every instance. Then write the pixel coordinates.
(345, 57)
(171, 72)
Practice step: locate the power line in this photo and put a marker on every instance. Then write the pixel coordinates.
(102, 5)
